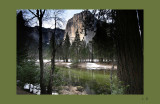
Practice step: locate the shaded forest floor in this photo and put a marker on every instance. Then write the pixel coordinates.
(21, 92)
(66, 90)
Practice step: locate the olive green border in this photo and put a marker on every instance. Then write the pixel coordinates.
(8, 51)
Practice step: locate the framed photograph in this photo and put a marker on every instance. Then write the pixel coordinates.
(81, 52)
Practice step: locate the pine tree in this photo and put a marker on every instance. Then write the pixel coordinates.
(102, 42)
(76, 44)
(129, 51)
(27, 71)
(21, 38)
(66, 47)
(83, 50)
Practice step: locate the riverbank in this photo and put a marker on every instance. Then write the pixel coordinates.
(88, 65)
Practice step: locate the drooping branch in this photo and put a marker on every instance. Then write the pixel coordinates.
(33, 13)
(31, 18)
(43, 12)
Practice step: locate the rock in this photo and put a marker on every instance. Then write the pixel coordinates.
(76, 22)
(80, 88)
(26, 86)
(72, 90)
(54, 93)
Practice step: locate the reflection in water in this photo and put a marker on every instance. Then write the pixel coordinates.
(93, 79)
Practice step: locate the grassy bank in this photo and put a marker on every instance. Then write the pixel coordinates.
(92, 81)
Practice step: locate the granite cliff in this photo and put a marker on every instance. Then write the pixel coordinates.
(77, 22)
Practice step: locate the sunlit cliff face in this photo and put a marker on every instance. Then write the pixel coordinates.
(73, 24)
(76, 22)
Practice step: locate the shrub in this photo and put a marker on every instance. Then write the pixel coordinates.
(27, 72)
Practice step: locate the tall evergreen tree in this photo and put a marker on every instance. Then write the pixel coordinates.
(21, 44)
(21, 38)
(103, 43)
(83, 51)
(129, 50)
(129, 46)
(66, 47)
(76, 44)
(27, 71)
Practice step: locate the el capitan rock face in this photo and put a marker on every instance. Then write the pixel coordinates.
(76, 22)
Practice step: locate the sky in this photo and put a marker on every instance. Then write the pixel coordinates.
(67, 15)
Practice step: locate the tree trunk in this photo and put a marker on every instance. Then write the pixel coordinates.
(43, 90)
(53, 44)
(101, 60)
(92, 53)
(52, 64)
(111, 72)
(130, 55)
(67, 57)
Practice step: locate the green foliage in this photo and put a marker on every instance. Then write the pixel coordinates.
(103, 41)
(83, 50)
(117, 86)
(66, 46)
(117, 89)
(58, 78)
(67, 42)
(76, 47)
(28, 72)
(96, 82)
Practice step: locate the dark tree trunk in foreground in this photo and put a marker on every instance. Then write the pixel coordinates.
(43, 90)
(39, 15)
(130, 54)
(66, 58)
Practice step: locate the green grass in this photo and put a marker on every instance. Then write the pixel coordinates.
(88, 74)
(95, 80)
